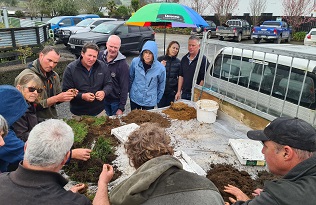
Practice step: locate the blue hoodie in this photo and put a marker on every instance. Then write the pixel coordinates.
(147, 88)
(12, 108)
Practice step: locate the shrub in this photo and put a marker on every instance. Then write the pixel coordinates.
(299, 36)
(19, 14)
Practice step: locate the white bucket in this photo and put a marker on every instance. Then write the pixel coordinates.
(206, 111)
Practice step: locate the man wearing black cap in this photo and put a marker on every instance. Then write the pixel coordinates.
(289, 146)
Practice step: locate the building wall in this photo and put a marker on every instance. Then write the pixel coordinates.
(273, 6)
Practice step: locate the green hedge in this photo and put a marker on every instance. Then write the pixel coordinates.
(185, 31)
(299, 36)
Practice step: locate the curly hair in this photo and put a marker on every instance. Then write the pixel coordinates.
(147, 142)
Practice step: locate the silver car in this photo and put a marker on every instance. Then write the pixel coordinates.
(83, 26)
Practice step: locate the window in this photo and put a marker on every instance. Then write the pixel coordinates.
(133, 29)
(263, 76)
(122, 29)
(145, 28)
(77, 20)
(66, 22)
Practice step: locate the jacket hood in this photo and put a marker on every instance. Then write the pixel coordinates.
(12, 103)
(119, 56)
(152, 47)
(130, 190)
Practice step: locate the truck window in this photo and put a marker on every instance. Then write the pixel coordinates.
(77, 20)
(67, 22)
(265, 77)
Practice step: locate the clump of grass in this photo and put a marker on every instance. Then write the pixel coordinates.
(99, 121)
(80, 129)
(102, 149)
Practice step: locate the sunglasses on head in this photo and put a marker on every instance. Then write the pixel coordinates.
(32, 89)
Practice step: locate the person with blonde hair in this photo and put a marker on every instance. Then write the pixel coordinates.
(160, 178)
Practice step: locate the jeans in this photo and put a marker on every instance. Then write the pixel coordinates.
(111, 107)
(186, 96)
(135, 106)
(166, 100)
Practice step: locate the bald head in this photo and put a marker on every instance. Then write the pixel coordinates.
(113, 46)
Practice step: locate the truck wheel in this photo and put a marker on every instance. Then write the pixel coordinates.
(221, 38)
(288, 39)
(239, 37)
(256, 40)
(209, 34)
(278, 40)
(199, 29)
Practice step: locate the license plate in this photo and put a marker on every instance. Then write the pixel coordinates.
(72, 46)
(263, 36)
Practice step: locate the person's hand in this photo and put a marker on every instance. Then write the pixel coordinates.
(119, 112)
(77, 188)
(178, 96)
(65, 97)
(240, 196)
(106, 175)
(99, 95)
(89, 97)
(81, 154)
(163, 62)
(73, 91)
(257, 192)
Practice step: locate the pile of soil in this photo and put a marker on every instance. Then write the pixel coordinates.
(89, 171)
(141, 116)
(180, 111)
(223, 174)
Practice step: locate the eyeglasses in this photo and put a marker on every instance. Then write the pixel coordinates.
(32, 89)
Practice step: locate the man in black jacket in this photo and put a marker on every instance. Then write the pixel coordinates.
(187, 69)
(92, 78)
(289, 147)
(115, 102)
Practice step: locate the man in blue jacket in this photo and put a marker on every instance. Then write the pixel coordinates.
(147, 78)
(92, 78)
(115, 102)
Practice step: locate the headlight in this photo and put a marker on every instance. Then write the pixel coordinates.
(66, 32)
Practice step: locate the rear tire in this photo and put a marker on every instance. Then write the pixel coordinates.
(221, 38)
(238, 38)
(278, 40)
(288, 40)
(209, 34)
(256, 40)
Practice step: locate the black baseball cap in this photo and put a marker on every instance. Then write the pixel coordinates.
(289, 131)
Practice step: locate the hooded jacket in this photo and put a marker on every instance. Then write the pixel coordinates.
(163, 181)
(296, 187)
(120, 76)
(52, 87)
(147, 87)
(12, 107)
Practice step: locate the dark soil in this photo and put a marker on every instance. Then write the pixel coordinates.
(141, 116)
(90, 170)
(180, 111)
(223, 174)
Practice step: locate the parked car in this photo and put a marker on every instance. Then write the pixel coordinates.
(198, 31)
(132, 37)
(64, 21)
(236, 29)
(310, 38)
(272, 31)
(83, 26)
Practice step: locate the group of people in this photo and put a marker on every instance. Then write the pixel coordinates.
(34, 147)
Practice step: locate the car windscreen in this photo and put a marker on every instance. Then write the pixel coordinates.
(104, 28)
(85, 23)
(271, 24)
(54, 20)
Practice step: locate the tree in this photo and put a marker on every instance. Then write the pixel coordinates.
(135, 5)
(295, 10)
(91, 6)
(223, 9)
(256, 7)
(122, 12)
(32, 6)
(8, 2)
(65, 8)
(199, 5)
(111, 6)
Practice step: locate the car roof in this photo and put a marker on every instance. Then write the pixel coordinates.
(114, 22)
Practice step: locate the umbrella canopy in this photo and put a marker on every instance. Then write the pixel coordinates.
(167, 15)
(173, 14)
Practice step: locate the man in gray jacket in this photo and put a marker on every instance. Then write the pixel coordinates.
(289, 146)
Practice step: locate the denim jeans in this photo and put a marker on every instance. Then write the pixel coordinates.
(166, 100)
(186, 96)
(139, 107)
(111, 107)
